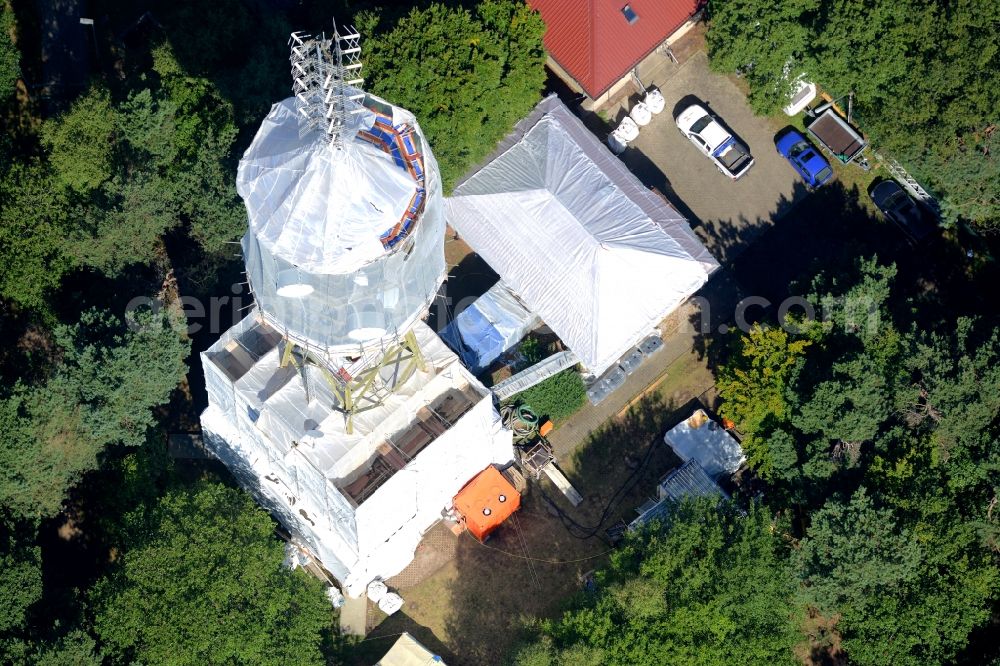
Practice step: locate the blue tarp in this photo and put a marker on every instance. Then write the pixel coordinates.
(494, 323)
(476, 341)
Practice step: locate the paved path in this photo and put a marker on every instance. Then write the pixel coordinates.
(354, 616)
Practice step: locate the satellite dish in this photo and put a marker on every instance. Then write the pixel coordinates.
(365, 323)
(292, 285)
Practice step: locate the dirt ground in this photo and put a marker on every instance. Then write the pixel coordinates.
(469, 602)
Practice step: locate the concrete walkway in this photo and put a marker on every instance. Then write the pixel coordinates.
(354, 616)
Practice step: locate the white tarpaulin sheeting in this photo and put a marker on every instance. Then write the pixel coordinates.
(262, 433)
(577, 237)
(494, 323)
(317, 214)
(702, 439)
(320, 207)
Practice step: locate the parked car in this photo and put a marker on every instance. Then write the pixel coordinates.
(890, 198)
(804, 158)
(730, 156)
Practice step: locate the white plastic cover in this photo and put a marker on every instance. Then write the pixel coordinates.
(655, 101)
(641, 114)
(406, 651)
(702, 439)
(275, 430)
(321, 208)
(317, 213)
(627, 130)
(494, 323)
(578, 238)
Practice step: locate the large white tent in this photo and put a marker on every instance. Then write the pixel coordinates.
(575, 235)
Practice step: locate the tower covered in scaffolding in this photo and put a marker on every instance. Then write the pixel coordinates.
(332, 401)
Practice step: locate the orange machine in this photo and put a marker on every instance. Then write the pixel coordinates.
(486, 501)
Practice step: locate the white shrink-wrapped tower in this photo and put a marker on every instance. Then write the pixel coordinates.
(332, 402)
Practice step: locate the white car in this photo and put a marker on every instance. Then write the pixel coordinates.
(730, 156)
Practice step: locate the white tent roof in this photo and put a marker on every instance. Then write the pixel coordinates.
(702, 439)
(406, 651)
(319, 207)
(577, 237)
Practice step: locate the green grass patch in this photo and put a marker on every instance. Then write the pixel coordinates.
(558, 397)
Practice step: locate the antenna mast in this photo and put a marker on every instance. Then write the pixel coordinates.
(324, 72)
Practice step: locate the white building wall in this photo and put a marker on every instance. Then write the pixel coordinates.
(379, 537)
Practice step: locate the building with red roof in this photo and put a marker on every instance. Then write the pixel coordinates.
(597, 43)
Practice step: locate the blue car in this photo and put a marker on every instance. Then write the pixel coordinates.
(804, 158)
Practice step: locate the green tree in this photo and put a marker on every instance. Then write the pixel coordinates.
(201, 581)
(468, 76)
(766, 47)
(114, 178)
(81, 142)
(904, 596)
(753, 388)
(20, 584)
(964, 172)
(713, 586)
(10, 57)
(112, 375)
(33, 229)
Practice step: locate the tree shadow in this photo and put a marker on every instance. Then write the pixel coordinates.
(823, 231)
(492, 592)
(381, 639)
(650, 175)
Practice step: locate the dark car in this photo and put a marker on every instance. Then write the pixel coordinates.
(804, 158)
(896, 204)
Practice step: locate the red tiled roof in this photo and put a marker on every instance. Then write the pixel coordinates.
(594, 42)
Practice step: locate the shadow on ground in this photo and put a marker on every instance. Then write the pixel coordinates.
(466, 281)
(374, 646)
(474, 610)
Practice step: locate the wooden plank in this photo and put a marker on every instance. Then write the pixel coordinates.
(562, 483)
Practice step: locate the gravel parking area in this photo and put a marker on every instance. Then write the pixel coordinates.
(726, 215)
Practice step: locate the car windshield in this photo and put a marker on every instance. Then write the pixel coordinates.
(701, 124)
(824, 173)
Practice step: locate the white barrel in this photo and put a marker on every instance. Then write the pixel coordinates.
(390, 603)
(377, 590)
(654, 101)
(641, 114)
(627, 130)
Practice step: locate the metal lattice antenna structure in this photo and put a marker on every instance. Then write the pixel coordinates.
(325, 76)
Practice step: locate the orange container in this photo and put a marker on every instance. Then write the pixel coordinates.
(486, 501)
